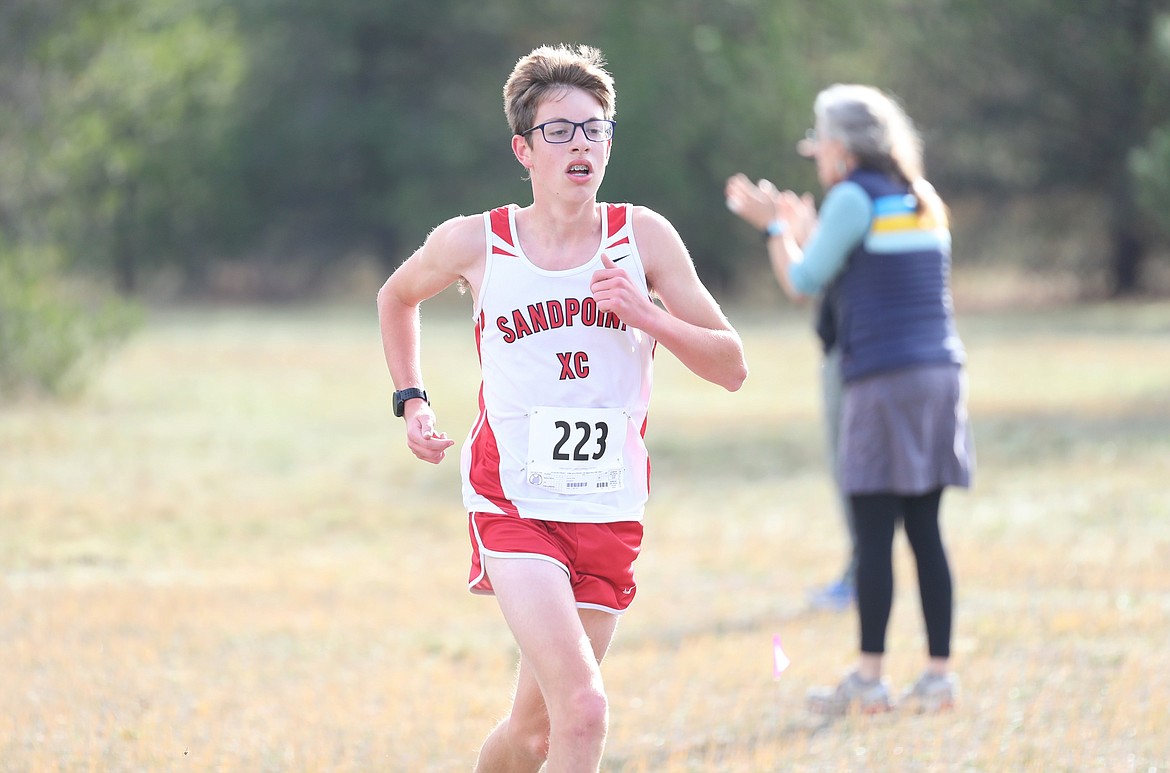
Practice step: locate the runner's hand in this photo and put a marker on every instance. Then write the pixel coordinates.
(615, 292)
(421, 437)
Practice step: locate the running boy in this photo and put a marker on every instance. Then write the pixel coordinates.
(555, 471)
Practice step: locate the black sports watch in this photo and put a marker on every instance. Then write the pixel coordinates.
(402, 395)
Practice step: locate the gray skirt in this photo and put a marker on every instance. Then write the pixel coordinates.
(906, 432)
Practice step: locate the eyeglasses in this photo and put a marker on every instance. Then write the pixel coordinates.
(807, 147)
(559, 132)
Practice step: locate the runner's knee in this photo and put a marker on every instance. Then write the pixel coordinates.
(529, 739)
(588, 714)
(585, 720)
(528, 736)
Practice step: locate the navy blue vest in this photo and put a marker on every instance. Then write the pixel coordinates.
(892, 301)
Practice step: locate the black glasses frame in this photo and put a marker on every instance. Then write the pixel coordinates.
(612, 127)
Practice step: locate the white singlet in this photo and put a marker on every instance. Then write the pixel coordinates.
(562, 403)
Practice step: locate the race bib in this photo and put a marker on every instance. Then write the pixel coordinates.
(577, 450)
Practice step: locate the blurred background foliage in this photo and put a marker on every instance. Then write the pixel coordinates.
(52, 334)
(258, 149)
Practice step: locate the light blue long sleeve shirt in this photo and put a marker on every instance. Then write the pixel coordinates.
(844, 219)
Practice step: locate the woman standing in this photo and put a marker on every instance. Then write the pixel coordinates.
(879, 249)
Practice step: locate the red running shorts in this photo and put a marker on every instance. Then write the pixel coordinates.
(597, 557)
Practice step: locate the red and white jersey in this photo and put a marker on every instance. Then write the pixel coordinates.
(562, 404)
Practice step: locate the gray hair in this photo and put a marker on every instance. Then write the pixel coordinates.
(873, 127)
(876, 130)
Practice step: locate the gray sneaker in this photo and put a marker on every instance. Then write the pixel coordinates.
(932, 693)
(852, 693)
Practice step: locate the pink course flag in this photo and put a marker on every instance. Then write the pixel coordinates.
(780, 661)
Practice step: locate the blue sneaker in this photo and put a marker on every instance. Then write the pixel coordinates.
(835, 597)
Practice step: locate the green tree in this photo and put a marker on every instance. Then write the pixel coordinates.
(51, 338)
(139, 134)
(24, 24)
(1150, 163)
(389, 117)
(52, 332)
(362, 124)
(129, 135)
(1030, 96)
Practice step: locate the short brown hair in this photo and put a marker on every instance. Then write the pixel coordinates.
(551, 68)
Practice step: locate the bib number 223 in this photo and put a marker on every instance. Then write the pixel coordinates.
(577, 450)
(583, 451)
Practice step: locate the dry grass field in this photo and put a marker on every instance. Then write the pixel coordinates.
(224, 559)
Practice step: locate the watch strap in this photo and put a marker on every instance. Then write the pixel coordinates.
(410, 393)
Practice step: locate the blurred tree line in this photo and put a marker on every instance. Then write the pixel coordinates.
(141, 136)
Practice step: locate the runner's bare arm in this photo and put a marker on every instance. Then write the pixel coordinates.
(453, 251)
